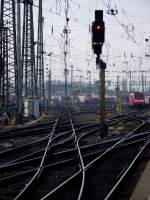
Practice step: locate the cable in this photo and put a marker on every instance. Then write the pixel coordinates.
(125, 29)
(60, 15)
(130, 21)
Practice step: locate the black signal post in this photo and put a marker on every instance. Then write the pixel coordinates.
(98, 38)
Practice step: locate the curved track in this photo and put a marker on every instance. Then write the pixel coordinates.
(63, 162)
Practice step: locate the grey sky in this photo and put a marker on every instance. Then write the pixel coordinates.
(125, 34)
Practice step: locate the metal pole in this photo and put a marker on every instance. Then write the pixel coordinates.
(145, 84)
(71, 79)
(66, 79)
(66, 31)
(102, 107)
(117, 81)
(142, 83)
(89, 72)
(103, 126)
(50, 87)
(19, 64)
(7, 75)
(80, 82)
(118, 94)
(50, 76)
(90, 83)
(130, 87)
(28, 54)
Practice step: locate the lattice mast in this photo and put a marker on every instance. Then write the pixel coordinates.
(28, 54)
(89, 85)
(19, 61)
(9, 70)
(4, 93)
(40, 52)
(66, 30)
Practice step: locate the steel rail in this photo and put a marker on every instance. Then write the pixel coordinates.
(34, 142)
(64, 161)
(54, 145)
(132, 140)
(25, 133)
(85, 167)
(41, 163)
(37, 174)
(133, 137)
(26, 127)
(81, 159)
(44, 139)
(77, 173)
(91, 163)
(127, 170)
(116, 144)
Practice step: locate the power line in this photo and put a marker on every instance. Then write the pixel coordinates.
(63, 16)
(125, 27)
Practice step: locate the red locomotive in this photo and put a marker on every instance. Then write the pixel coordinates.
(136, 99)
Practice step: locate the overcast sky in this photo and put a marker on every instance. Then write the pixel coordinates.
(125, 35)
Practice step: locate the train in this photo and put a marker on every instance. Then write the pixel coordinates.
(110, 101)
(136, 99)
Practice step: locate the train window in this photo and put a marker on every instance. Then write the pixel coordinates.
(139, 96)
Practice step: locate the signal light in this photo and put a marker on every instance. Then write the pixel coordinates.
(98, 32)
(98, 27)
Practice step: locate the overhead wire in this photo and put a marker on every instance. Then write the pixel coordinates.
(61, 15)
(89, 9)
(127, 17)
(125, 28)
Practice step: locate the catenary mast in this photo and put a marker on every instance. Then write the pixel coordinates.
(9, 70)
(28, 54)
(40, 53)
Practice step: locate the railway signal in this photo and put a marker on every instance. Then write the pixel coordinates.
(98, 32)
(98, 38)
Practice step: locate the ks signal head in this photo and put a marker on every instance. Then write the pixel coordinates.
(98, 32)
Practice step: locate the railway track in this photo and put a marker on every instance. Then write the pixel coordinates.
(114, 192)
(40, 169)
(36, 148)
(97, 184)
(62, 139)
(61, 164)
(89, 150)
